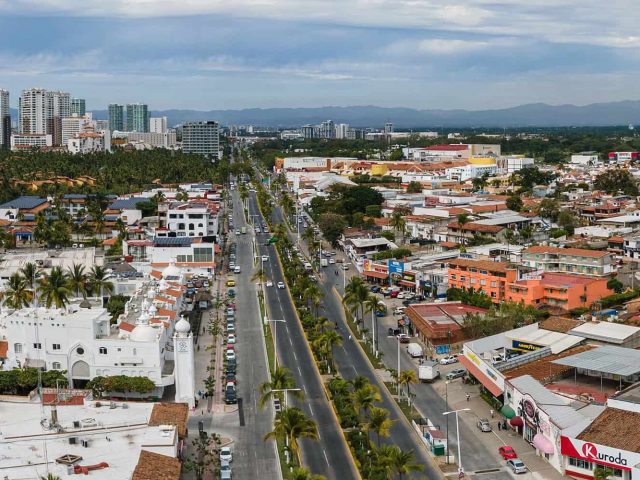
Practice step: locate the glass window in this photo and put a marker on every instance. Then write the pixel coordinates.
(453, 276)
(493, 294)
(17, 347)
(483, 282)
(37, 346)
(102, 350)
(56, 365)
(56, 346)
(462, 279)
(494, 284)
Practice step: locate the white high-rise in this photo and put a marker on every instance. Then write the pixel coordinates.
(41, 112)
(5, 120)
(341, 130)
(158, 125)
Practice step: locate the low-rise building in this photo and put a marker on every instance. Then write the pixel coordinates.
(578, 261)
(28, 141)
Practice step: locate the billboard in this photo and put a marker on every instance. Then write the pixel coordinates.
(524, 346)
(599, 454)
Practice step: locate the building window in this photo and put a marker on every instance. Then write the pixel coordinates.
(462, 279)
(493, 294)
(56, 346)
(483, 282)
(37, 346)
(578, 462)
(494, 284)
(17, 347)
(453, 276)
(80, 351)
(483, 272)
(56, 365)
(192, 226)
(102, 350)
(472, 280)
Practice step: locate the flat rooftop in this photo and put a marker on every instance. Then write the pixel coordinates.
(607, 359)
(605, 331)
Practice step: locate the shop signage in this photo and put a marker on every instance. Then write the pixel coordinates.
(408, 277)
(524, 346)
(396, 267)
(366, 265)
(599, 454)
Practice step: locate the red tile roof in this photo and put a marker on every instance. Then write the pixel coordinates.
(452, 148)
(576, 252)
(479, 264)
(477, 227)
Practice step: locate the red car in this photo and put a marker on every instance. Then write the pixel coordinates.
(393, 294)
(507, 452)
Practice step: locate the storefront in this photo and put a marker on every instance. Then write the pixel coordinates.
(582, 457)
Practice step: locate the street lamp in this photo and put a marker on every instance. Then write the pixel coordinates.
(446, 403)
(275, 339)
(460, 468)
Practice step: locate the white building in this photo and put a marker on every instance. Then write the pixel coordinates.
(342, 130)
(158, 124)
(166, 139)
(88, 142)
(467, 172)
(191, 219)
(585, 159)
(513, 163)
(75, 124)
(27, 141)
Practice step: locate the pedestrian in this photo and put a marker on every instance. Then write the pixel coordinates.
(492, 412)
(504, 424)
(349, 337)
(468, 397)
(499, 426)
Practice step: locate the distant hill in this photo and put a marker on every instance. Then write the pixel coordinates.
(535, 114)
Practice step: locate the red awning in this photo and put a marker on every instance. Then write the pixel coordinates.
(404, 283)
(516, 422)
(484, 379)
(371, 273)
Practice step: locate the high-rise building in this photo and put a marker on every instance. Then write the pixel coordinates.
(137, 117)
(59, 107)
(116, 117)
(327, 129)
(78, 106)
(341, 130)
(76, 124)
(309, 131)
(158, 124)
(5, 120)
(33, 111)
(388, 127)
(202, 138)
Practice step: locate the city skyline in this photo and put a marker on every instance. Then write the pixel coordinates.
(431, 54)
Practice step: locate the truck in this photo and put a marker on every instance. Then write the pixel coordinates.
(243, 230)
(414, 350)
(324, 262)
(428, 371)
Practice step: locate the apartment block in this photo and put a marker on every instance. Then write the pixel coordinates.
(485, 275)
(201, 138)
(578, 261)
(5, 120)
(137, 117)
(116, 117)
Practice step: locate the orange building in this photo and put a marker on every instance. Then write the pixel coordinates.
(502, 282)
(558, 290)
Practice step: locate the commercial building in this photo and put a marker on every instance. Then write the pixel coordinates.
(137, 117)
(151, 139)
(76, 124)
(202, 138)
(158, 124)
(5, 120)
(28, 141)
(610, 333)
(578, 261)
(116, 117)
(78, 106)
(513, 163)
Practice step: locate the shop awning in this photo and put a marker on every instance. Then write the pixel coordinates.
(508, 412)
(371, 273)
(543, 444)
(516, 422)
(404, 283)
(483, 378)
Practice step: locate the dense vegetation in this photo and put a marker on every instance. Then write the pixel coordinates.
(120, 384)
(21, 381)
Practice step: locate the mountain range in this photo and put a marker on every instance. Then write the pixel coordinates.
(530, 115)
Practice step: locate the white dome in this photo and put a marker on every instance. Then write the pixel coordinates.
(182, 326)
(143, 333)
(171, 272)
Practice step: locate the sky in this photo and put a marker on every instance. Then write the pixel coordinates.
(232, 54)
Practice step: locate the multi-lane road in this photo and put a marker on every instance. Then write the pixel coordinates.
(329, 455)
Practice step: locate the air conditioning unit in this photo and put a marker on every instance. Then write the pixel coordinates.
(73, 440)
(76, 424)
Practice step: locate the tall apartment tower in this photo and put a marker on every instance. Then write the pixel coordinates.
(158, 125)
(116, 117)
(5, 120)
(388, 127)
(202, 138)
(137, 117)
(78, 106)
(33, 111)
(59, 107)
(327, 129)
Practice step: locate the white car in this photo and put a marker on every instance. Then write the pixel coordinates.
(231, 338)
(332, 261)
(448, 360)
(280, 284)
(269, 283)
(226, 455)
(231, 355)
(265, 258)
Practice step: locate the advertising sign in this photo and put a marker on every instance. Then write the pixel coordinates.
(366, 265)
(396, 267)
(524, 346)
(599, 454)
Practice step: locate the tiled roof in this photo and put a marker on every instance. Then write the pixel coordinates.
(480, 264)
(616, 429)
(127, 327)
(559, 324)
(577, 252)
(543, 369)
(166, 413)
(157, 467)
(476, 227)
(25, 202)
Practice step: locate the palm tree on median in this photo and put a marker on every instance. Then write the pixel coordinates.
(301, 473)
(292, 424)
(372, 304)
(326, 342)
(281, 379)
(407, 378)
(356, 294)
(379, 423)
(365, 397)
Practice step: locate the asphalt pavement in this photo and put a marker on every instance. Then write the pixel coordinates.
(329, 455)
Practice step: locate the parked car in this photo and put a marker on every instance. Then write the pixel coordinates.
(231, 292)
(231, 339)
(449, 359)
(231, 283)
(507, 452)
(231, 327)
(403, 338)
(393, 294)
(332, 261)
(484, 425)
(516, 465)
(374, 288)
(230, 397)
(281, 285)
(399, 310)
(393, 332)
(225, 454)
(230, 377)
(238, 232)
(230, 354)
(457, 373)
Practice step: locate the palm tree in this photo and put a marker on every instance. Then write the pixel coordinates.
(50, 476)
(300, 473)
(29, 273)
(372, 304)
(17, 294)
(291, 424)
(281, 378)
(326, 342)
(407, 378)
(364, 398)
(463, 219)
(99, 281)
(398, 222)
(77, 280)
(379, 423)
(313, 295)
(402, 462)
(356, 294)
(54, 288)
